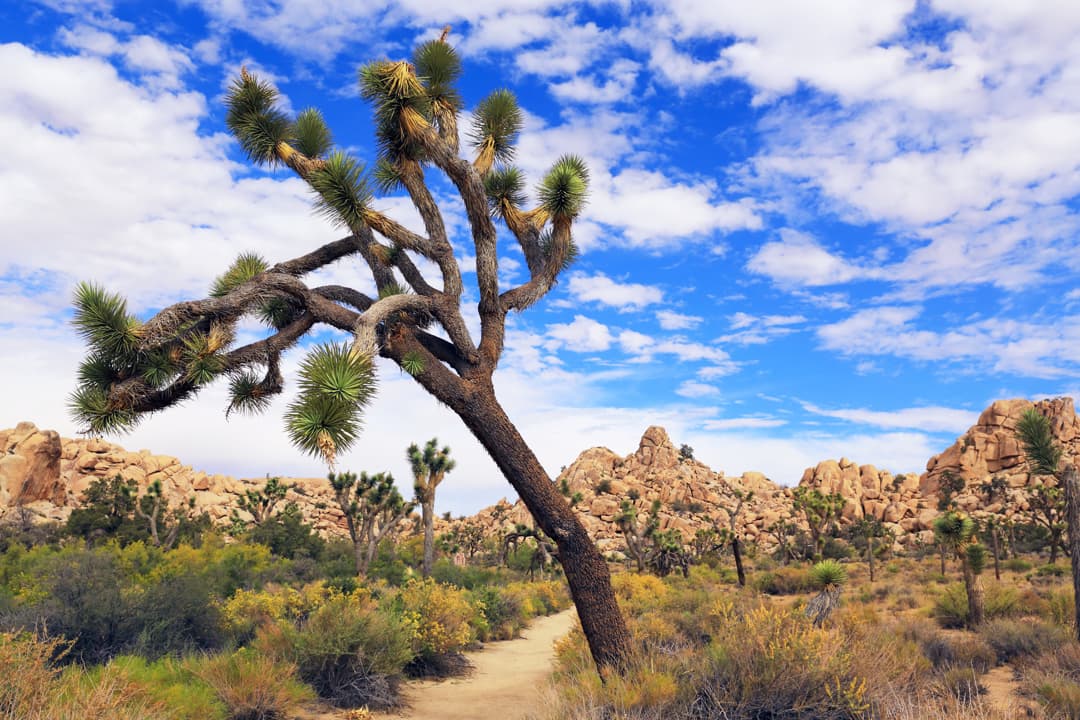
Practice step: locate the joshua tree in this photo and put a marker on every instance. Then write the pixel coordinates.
(668, 553)
(1047, 510)
(153, 509)
(1045, 457)
(870, 530)
(261, 503)
(372, 506)
(429, 467)
(956, 532)
(637, 531)
(731, 535)
(820, 511)
(829, 576)
(137, 367)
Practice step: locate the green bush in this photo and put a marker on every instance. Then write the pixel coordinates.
(173, 617)
(1012, 639)
(351, 652)
(962, 683)
(502, 613)
(1049, 570)
(783, 581)
(170, 683)
(961, 652)
(1019, 565)
(951, 606)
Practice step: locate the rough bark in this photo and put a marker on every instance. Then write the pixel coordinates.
(870, 555)
(427, 508)
(1070, 480)
(586, 571)
(974, 594)
(736, 550)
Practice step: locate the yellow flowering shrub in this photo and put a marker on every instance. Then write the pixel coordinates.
(437, 617)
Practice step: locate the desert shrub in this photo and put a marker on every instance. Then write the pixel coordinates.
(469, 577)
(440, 621)
(764, 662)
(173, 616)
(951, 607)
(783, 581)
(972, 652)
(247, 610)
(1019, 565)
(1049, 570)
(1011, 639)
(250, 685)
(26, 664)
(351, 652)
(32, 688)
(171, 683)
(502, 613)
(961, 683)
(637, 592)
(1061, 607)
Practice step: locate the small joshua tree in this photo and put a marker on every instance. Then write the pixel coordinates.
(731, 534)
(262, 502)
(163, 523)
(870, 530)
(372, 507)
(668, 553)
(637, 531)
(820, 511)
(956, 532)
(829, 576)
(1046, 457)
(429, 468)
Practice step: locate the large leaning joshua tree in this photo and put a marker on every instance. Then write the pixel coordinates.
(135, 368)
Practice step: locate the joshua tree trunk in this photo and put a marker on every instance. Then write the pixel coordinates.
(427, 509)
(736, 550)
(587, 573)
(1070, 480)
(995, 548)
(941, 552)
(974, 594)
(870, 556)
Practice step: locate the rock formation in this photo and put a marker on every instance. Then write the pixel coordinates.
(45, 474)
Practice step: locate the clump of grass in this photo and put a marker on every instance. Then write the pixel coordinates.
(250, 685)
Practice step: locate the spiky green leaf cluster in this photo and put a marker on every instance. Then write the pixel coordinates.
(505, 185)
(497, 119)
(201, 363)
(976, 557)
(393, 92)
(342, 190)
(386, 177)
(243, 269)
(439, 67)
(391, 289)
(1040, 446)
(412, 362)
(335, 371)
(247, 394)
(564, 189)
(277, 312)
(158, 369)
(253, 118)
(102, 319)
(572, 251)
(91, 409)
(335, 384)
(310, 135)
(954, 529)
(829, 574)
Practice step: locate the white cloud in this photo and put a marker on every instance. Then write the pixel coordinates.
(756, 330)
(743, 423)
(582, 335)
(160, 65)
(601, 289)
(931, 418)
(694, 389)
(670, 320)
(635, 343)
(799, 260)
(1033, 349)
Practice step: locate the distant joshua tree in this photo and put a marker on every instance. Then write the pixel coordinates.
(372, 507)
(429, 467)
(955, 531)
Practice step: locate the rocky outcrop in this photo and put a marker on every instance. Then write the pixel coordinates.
(47, 475)
(43, 473)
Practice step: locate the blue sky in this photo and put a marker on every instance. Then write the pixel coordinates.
(817, 228)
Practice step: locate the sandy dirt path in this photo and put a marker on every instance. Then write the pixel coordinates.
(505, 683)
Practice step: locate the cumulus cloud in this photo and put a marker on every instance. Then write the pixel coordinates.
(670, 320)
(601, 289)
(582, 335)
